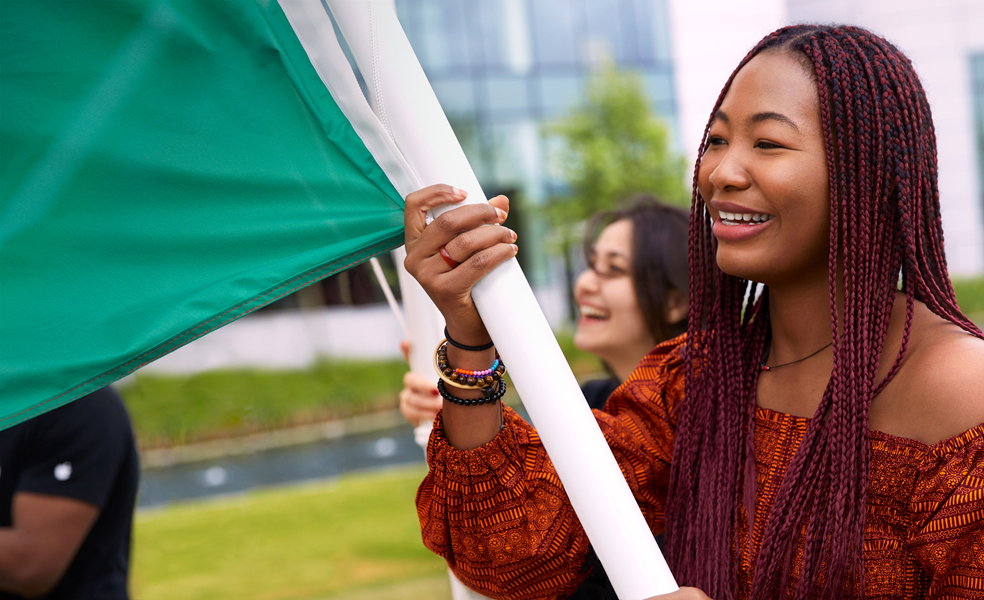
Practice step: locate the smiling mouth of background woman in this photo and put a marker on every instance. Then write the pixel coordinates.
(731, 219)
(592, 313)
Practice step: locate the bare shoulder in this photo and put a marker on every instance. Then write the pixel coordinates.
(950, 362)
(939, 392)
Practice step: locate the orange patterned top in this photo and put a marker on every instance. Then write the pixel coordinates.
(500, 517)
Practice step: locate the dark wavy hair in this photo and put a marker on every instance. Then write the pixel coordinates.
(659, 257)
(884, 220)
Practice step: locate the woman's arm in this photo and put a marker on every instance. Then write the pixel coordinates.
(498, 513)
(476, 250)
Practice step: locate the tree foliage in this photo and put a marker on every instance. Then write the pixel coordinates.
(611, 147)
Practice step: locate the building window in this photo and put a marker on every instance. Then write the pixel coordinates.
(977, 87)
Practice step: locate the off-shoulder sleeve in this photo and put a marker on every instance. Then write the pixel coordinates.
(499, 515)
(947, 536)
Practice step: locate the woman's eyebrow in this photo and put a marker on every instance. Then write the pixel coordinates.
(772, 116)
(720, 115)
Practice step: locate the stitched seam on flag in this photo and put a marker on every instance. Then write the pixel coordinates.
(196, 332)
(380, 101)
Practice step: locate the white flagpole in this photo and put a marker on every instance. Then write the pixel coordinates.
(409, 111)
(426, 325)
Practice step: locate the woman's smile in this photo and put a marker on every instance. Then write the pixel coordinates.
(735, 223)
(764, 175)
(591, 313)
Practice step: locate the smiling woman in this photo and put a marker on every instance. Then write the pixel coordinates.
(764, 174)
(852, 465)
(634, 293)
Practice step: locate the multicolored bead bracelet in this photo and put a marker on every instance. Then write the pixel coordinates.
(465, 379)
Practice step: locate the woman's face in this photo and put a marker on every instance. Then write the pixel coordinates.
(764, 175)
(611, 325)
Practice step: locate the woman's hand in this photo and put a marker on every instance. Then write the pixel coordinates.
(476, 250)
(470, 252)
(419, 400)
(684, 593)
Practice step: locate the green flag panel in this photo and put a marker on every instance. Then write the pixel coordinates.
(166, 167)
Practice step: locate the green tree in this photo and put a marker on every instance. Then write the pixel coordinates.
(611, 147)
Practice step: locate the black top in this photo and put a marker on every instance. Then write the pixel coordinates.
(83, 450)
(597, 391)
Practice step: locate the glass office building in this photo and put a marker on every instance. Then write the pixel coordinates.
(977, 89)
(502, 68)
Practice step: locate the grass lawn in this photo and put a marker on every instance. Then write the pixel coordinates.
(357, 538)
(169, 409)
(970, 297)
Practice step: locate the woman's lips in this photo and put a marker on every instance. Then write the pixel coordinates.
(591, 313)
(738, 231)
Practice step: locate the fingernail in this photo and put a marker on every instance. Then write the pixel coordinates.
(434, 392)
(501, 213)
(460, 193)
(515, 248)
(514, 236)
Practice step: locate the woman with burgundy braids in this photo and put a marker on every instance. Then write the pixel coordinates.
(819, 430)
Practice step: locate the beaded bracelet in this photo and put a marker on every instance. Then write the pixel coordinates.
(465, 379)
(489, 397)
(471, 378)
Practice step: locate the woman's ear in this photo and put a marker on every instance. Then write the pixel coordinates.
(675, 307)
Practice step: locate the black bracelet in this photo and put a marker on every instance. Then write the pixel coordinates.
(464, 347)
(490, 395)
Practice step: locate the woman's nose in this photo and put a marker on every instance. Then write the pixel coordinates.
(729, 172)
(587, 281)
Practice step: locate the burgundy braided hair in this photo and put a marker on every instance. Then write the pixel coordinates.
(884, 219)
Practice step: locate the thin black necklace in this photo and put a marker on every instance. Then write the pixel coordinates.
(766, 367)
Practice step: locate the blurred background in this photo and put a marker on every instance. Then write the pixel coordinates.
(275, 462)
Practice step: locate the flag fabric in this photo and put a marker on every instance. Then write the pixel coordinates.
(167, 167)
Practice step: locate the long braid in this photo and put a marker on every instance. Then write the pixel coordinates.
(884, 219)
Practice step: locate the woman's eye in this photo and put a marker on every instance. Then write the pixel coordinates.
(715, 140)
(765, 145)
(610, 271)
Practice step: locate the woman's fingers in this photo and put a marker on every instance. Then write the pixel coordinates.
(465, 245)
(684, 593)
(419, 400)
(453, 223)
(418, 203)
(478, 262)
(454, 238)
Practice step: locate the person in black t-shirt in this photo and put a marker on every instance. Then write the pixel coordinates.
(68, 486)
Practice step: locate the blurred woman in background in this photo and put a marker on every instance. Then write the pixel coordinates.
(632, 296)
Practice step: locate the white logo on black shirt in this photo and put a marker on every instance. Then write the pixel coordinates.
(63, 471)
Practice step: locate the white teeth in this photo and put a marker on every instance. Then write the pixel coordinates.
(729, 218)
(590, 311)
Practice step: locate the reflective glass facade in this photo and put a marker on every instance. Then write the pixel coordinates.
(501, 68)
(977, 83)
